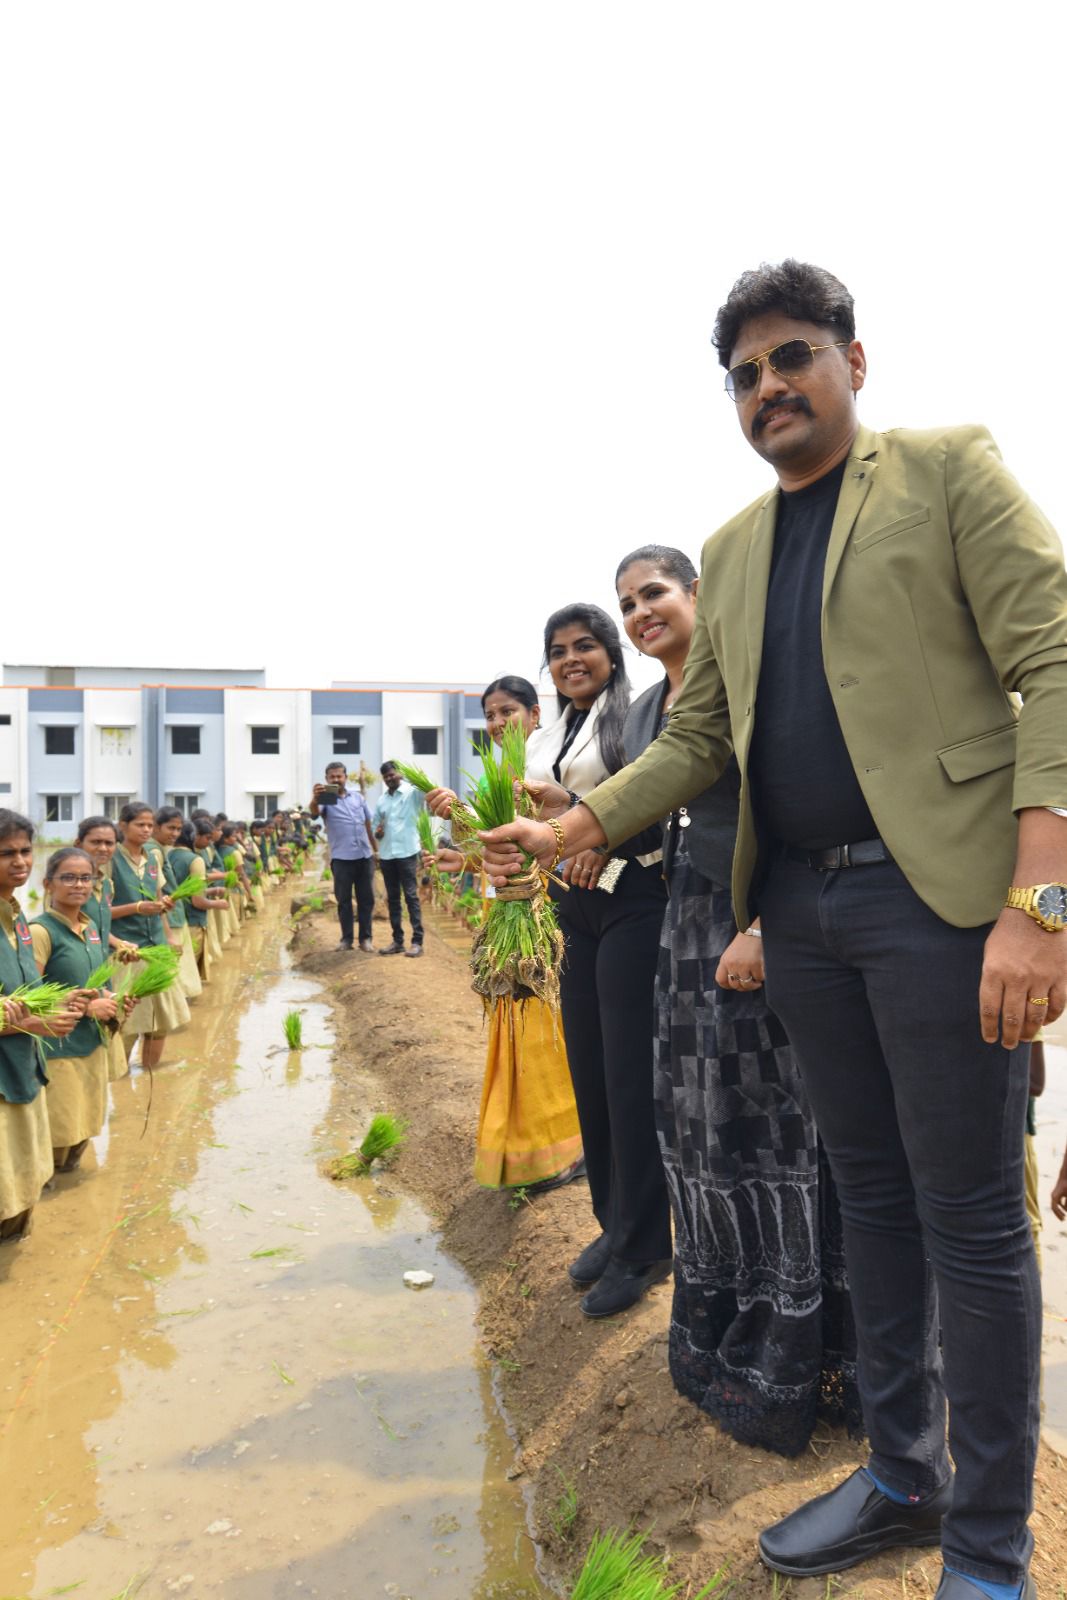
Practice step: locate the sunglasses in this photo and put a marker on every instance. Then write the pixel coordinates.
(789, 360)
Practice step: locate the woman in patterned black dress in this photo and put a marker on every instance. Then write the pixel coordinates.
(761, 1330)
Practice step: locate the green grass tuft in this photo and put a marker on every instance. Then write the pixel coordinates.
(293, 1024)
(615, 1569)
(384, 1136)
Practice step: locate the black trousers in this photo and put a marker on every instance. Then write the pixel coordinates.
(358, 875)
(607, 991)
(923, 1125)
(402, 877)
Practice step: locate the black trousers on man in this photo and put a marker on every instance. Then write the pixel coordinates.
(606, 992)
(402, 878)
(357, 875)
(923, 1125)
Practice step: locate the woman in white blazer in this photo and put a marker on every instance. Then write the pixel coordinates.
(611, 920)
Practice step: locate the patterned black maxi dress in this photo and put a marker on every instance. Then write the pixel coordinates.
(761, 1333)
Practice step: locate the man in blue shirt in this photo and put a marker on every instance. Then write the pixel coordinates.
(352, 852)
(395, 826)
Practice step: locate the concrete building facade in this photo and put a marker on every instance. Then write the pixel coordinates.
(84, 747)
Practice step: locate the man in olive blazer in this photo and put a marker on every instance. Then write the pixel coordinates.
(863, 634)
(944, 591)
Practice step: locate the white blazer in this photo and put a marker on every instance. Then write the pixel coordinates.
(582, 767)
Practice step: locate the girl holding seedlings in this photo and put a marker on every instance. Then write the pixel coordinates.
(99, 838)
(168, 825)
(214, 902)
(25, 1138)
(67, 948)
(528, 1133)
(139, 905)
(186, 863)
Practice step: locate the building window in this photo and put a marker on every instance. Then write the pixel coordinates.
(112, 804)
(264, 806)
(266, 741)
(59, 677)
(186, 803)
(59, 742)
(59, 808)
(5, 788)
(185, 740)
(346, 741)
(116, 741)
(424, 741)
(481, 741)
(5, 719)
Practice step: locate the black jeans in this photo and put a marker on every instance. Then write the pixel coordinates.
(358, 875)
(607, 989)
(402, 876)
(923, 1124)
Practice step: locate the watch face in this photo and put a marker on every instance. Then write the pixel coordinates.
(1052, 902)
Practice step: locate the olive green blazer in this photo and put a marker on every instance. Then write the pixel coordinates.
(944, 593)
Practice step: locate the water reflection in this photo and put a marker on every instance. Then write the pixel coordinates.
(214, 1372)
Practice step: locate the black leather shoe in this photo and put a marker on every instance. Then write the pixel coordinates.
(953, 1586)
(587, 1268)
(852, 1522)
(393, 949)
(622, 1285)
(560, 1179)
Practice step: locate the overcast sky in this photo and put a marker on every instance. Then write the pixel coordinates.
(351, 340)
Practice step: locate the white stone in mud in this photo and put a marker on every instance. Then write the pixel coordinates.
(418, 1280)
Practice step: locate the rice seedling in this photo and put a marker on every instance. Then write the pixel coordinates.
(384, 1136)
(159, 971)
(102, 975)
(315, 901)
(564, 1513)
(42, 999)
(615, 1569)
(193, 884)
(283, 1375)
(293, 1024)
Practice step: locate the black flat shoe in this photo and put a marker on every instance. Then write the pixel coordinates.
(559, 1179)
(955, 1587)
(852, 1522)
(622, 1286)
(587, 1268)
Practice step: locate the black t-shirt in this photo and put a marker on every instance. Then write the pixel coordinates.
(804, 785)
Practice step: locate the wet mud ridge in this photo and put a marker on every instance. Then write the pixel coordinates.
(601, 1437)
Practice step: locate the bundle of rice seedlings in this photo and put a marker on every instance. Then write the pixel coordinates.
(42, 999)
(160, 969)
(464, 821)
(615, 1569)
(293, 1024)
(102, 975)
(384, 1136)
(188, 887)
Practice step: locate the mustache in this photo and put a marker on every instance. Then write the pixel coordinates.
(801, 403)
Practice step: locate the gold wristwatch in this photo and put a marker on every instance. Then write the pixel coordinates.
(1045, 902)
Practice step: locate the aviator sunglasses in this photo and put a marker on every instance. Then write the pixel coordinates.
(789, 360)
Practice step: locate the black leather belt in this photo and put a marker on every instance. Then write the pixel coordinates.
(864, 854)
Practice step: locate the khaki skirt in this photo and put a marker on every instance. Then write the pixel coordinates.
(77, 1096)
(25, 1155)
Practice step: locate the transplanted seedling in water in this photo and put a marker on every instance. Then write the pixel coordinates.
(294, 1029)
(615, 1569)
(384, 1136)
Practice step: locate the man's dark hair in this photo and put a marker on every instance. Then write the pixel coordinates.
(387, 766)
(337, 766)
(794, 288)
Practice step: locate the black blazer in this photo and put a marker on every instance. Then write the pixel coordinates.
(712, 829)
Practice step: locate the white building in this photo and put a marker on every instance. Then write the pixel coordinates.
(82, 741)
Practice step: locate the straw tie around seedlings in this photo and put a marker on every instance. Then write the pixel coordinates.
(293, 1024)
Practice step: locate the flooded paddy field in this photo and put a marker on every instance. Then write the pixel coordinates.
(215, 1381)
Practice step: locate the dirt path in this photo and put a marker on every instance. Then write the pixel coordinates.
(595, 1416)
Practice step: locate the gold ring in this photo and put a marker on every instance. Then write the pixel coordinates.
(1038, 1000)
(732, 977)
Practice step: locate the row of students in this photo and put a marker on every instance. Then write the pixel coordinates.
(109, 895)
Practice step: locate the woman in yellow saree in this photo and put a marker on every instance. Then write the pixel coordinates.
(528, 1135)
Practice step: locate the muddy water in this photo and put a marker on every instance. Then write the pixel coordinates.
(214, 1380)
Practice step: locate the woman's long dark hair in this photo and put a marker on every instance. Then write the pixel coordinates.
(615, 695)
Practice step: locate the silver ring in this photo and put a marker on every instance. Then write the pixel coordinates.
(749, 979)
(731, 977)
